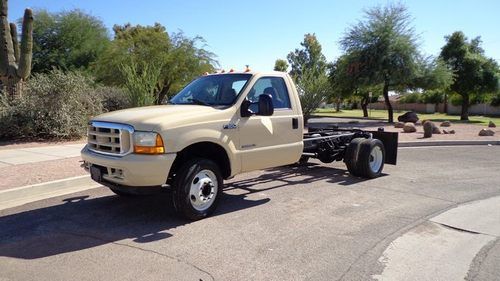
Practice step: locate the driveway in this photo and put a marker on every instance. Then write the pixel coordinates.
(302, 223)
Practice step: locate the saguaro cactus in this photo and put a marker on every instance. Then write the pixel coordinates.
(15, 60)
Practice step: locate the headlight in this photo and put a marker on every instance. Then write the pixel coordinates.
(148, 143)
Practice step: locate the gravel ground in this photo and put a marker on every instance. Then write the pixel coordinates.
(33, 173)
(462, 132)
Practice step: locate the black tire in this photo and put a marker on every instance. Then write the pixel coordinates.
(184, 201)
(351, 156)
(303, 160)
(366, 159)
(122, 193)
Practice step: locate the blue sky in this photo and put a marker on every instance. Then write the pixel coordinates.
(257, 32)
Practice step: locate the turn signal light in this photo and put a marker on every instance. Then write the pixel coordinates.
(157, 149)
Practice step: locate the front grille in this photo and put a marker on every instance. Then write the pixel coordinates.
(109, 138)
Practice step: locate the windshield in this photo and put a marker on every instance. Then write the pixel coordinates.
(212, 90)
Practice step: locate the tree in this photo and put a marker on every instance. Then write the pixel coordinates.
(308, 58)
(313, 90)
(475, 74)
(346, 82)
(280, 65)
(181, 58)
(384, 48)
(309, 68)
(141, 82)
(67, 40)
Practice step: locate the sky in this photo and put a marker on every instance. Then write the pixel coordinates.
(257, 32)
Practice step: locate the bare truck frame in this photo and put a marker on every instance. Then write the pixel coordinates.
(364, 152)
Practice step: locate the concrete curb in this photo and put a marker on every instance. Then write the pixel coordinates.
(22, 195)
(447, 143)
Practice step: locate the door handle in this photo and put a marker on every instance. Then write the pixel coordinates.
(295, 123)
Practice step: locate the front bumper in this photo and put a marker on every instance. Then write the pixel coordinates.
(131, 170)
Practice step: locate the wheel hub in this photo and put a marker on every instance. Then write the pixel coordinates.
(203, 190)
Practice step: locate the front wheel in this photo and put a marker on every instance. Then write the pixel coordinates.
(197, 188)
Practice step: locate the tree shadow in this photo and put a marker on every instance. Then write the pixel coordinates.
(81, 222)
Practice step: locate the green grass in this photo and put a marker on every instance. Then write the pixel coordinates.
(382, 115)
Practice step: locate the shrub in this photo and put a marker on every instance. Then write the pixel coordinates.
(432, 96)
(113, 98)
(410, 98)
(495, 100)
(54, 105)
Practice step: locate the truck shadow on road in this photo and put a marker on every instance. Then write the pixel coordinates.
(295, 175)
(83, 222)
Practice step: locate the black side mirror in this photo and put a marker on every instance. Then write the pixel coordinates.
(245, 108)
(266, 107)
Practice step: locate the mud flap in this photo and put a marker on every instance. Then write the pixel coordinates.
(390, 141)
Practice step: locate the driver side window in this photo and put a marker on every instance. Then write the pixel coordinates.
(272, 86)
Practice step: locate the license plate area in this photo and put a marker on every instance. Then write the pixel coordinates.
(95, 173)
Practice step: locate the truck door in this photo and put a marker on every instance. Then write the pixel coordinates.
(270, 141)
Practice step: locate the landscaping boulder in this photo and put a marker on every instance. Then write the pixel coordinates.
(409, 116)
(492, 125)
(486, 133)
(409, 128)
(428, 129)
(446, 124)
(399, 125)
(452, 132)
(435, 128)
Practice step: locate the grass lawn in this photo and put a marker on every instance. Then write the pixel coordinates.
(382, 115)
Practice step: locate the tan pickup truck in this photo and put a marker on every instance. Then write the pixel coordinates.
(218, 126)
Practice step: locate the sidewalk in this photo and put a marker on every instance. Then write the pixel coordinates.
(19, 156)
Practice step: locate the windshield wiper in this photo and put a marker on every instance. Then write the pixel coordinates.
(199, 102)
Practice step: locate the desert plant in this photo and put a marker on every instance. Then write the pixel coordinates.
(113, 98)
(15, 61)
(142, 82)
(54, 105)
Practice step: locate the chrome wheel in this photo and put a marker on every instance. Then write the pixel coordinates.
(376, 159)
(203, 190)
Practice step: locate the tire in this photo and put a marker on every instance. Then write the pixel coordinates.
(121, 193)
(197, 188)
(371, 158)
(303, 160)
(351, 156)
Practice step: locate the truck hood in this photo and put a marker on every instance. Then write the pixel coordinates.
(152, 118)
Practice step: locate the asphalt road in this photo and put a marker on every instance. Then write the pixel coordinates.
(302, 223)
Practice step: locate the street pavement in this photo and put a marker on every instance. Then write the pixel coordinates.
(431, 217)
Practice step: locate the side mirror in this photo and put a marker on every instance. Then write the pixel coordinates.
(266, 107)
(245, 108)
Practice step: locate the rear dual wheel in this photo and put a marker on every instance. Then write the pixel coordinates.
(365, 157)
